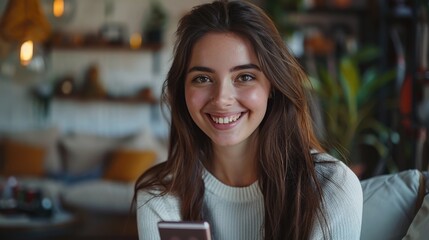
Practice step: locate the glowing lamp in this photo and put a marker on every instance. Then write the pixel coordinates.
(58, 8)
(26, 52)
(26, 28)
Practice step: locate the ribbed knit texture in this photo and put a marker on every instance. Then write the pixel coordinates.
(237, 213)
(240, 209)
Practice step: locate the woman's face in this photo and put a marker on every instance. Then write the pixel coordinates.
(226, 91)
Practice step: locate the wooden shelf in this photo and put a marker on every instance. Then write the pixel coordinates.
(124, 100)
(105, 47)
(143, 97)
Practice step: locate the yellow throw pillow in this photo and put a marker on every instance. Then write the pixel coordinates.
(20, 159)
(128, 165)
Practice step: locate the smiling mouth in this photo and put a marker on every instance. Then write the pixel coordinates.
(226, 120)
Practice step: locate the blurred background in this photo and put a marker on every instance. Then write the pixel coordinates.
(80, 85)
(367, 62)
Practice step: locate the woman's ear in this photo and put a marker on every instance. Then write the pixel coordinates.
(272, 91)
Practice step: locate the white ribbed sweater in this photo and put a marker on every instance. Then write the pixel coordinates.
(237, 213)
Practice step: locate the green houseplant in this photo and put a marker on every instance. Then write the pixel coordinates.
(156, 21)
(347, 98)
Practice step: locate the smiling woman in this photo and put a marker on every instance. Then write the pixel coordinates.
(226, 93)
(242, 154)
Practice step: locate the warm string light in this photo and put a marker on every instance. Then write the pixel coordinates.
(26, 52)
(58, 8)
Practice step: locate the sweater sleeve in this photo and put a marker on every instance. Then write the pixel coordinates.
(343, 202)
(151, 209)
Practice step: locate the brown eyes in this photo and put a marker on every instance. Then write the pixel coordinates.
(239, 78)
(201, 79)
(246, 77)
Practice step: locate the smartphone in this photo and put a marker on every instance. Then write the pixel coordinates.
(184, 230)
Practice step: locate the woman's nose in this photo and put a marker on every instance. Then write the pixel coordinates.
(223, 94)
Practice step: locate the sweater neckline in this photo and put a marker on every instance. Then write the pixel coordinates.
(229, 193)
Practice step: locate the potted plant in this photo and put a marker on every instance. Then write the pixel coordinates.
(347, 98)
(155, 23)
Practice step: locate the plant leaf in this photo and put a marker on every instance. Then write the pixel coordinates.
(349, 80)
(350, 73)
(366, 54)
(374, 84)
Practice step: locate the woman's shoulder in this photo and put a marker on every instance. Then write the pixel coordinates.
(342, 197)
(333, 172)
(325, 163)
(152, 207)
(154, 195)
(165, 205)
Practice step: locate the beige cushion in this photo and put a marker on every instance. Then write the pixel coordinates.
(420, 226)
(85, 152)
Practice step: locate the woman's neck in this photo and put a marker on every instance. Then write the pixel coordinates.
(236, 165)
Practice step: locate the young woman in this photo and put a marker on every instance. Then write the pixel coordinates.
(242, 152)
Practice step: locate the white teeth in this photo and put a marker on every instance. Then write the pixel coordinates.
(226, 120)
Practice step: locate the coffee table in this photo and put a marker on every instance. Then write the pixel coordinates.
(24, 227)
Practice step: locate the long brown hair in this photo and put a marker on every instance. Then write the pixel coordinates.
(287, 176)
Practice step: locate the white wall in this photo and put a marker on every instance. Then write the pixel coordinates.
(120, 71)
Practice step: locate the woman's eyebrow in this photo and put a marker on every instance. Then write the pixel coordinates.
(245, 66)
(236, 68)
(200, 69)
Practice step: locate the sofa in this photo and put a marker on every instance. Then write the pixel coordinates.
(90, 176)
